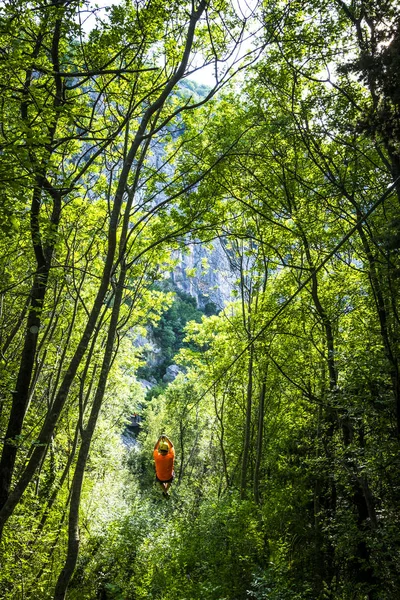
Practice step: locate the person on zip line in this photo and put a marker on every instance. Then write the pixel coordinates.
(164, 457)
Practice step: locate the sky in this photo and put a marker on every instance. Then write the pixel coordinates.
(206, 75)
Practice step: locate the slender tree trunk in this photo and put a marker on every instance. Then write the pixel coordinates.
(383, 317)
(182, 449)
(260, 438)
(16, 327)
(220, 417)
(73, 524)
(79, 427)
(21, 394)
(59, 402)
(327, 326)
(359, 500)
(63, 477)
(247, 428)
(43, 259)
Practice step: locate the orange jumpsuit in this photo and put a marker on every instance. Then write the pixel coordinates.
(164, 465)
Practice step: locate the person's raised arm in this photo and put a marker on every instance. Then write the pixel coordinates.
(157, 442)
(168, 441)
(163, 437)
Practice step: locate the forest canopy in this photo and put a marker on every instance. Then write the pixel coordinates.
(130, 133)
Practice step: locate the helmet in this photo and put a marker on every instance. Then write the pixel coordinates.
(163, 447)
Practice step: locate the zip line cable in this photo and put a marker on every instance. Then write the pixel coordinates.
(382, 198)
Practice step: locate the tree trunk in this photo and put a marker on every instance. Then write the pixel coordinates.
(73, 524)
(21, 394)
(260, 436)
(43, 257)
(359, 500)
(383, 317)
(247, 427)
(221, 437)
(59, 402)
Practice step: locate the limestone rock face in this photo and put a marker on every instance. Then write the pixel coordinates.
(205, 274)
(202, 271)
(171, 372)
(147, 385)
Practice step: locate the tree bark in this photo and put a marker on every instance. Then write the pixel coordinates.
(43, 259)
(73, 524)
(247, 427)
(54, 414)
(359, 499)
(260, 438)
(383, 317)
(221, 437)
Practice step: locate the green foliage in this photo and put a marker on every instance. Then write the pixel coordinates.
(183, 550)
(169, 334)
(286, 418)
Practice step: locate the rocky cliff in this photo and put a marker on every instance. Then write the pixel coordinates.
(205, 274)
